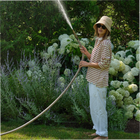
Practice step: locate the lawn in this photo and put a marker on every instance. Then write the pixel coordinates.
(35, 132)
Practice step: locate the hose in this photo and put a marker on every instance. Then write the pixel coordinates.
(53, 101)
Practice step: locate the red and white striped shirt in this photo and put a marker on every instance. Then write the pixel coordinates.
(101, 54)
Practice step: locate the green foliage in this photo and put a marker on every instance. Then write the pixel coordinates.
(36, 23)
(116, 118)
(9, 106)
(125, 19)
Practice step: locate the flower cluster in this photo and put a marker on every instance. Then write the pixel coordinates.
(125, 66)
(68, 45)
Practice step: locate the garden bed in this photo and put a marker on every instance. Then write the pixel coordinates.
(133, 126)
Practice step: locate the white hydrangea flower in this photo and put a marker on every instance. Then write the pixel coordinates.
(45, 55)
(73, 37)
(117, 95)
(62, 85)
(127, 51)
(115, 64)
(127, 69)
(138, 50)
(67, 72)
(128, 60)
(135, 71)
(121, 53)
(112, 97)
(51, 50)
(130, 56)
(138, 115)
(137, 57)
(119, 103)
(65, 42)
(125, 84)
(112, 71)
(138, 95)
(131, 43)
(137, 101)
(85, 40)
(76, 59)
(73, 45)
(121, 59)
(128, 100)
(127, 94)
(134, 44)
(121, 47)
(63, 36)
(82, 43)
(55, 45)
(130, 108)
(29, 73)
(115, 84)
(122, 66)
(138, 65)
(128, 76)
(132, 88)
(121, 91)
(129, 115)
(61, 80)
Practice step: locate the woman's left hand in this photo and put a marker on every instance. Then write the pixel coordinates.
(83, 64)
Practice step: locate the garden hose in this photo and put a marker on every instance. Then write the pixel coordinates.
(54, 100)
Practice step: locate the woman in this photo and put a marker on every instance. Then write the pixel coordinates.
(97, 75)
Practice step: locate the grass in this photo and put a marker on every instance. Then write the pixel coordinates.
(42, 132)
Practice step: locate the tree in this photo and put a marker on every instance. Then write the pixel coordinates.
(125, 16)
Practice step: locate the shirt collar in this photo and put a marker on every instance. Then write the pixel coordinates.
(99, 38)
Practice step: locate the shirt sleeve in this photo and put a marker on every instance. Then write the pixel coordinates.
(105, 55)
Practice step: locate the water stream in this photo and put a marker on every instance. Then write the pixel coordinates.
(64, 13)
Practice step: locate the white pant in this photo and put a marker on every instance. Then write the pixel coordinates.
(98, 109)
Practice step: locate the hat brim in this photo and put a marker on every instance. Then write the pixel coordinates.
(101, 22)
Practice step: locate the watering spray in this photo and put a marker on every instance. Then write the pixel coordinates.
(68, 21)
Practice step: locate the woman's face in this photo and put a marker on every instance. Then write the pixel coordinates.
(100, 29)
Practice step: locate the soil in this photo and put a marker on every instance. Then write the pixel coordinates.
(133, 126)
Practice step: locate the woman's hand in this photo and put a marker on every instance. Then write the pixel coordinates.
(83, 50)
(83, 64)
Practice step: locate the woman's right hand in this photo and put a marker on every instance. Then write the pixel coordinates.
(83, 50)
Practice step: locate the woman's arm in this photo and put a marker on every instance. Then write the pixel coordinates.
(87, 64)
(84, 51)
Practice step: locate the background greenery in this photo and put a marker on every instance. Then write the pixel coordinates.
(30, 25)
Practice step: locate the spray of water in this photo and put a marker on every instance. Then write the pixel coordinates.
(66, 17)
(64, 13)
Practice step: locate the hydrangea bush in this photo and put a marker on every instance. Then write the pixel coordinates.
(125, 70)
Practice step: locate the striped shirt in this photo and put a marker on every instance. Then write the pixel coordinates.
(101, 54)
